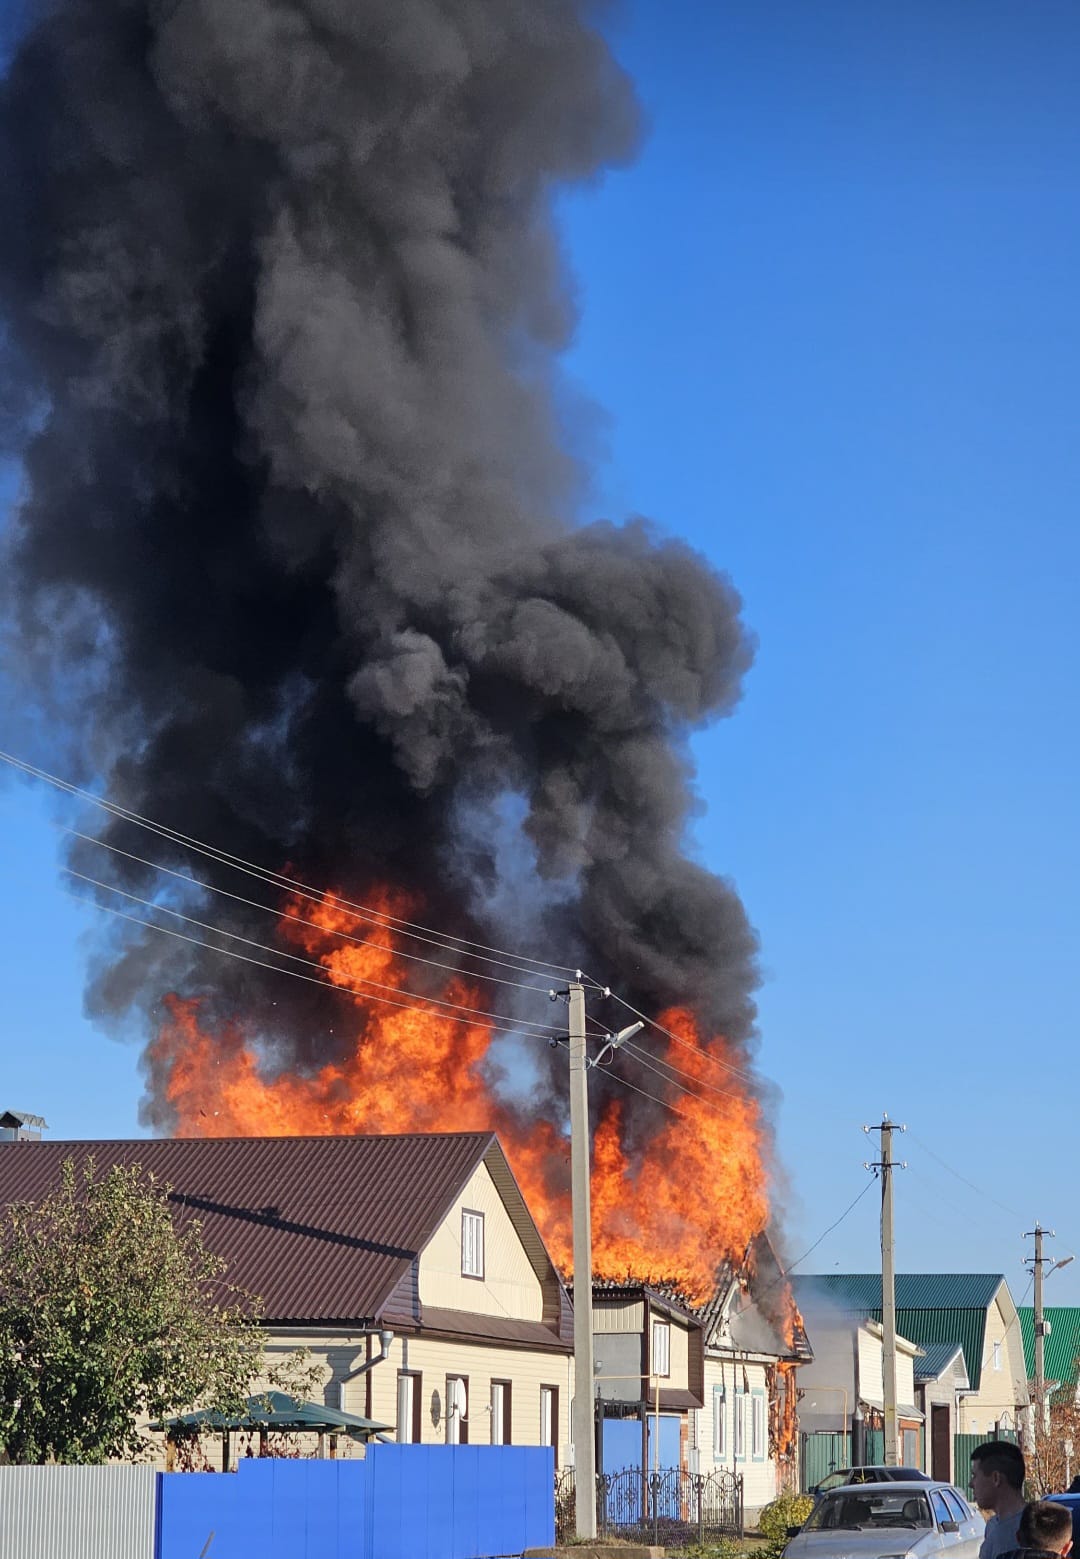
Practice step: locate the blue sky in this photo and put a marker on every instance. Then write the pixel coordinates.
(832, 317)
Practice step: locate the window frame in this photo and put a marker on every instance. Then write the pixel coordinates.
(739, 1425)
(719, 1423)
(662, 1329)
(937, 1496)
(758, 1425)
(466, 1214)
(507, 1389)
(462, 1430)
(951, 1498)
(995, 1355)
(553, 1427)
(415, 1428)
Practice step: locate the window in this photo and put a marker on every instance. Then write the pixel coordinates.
(757, 1426)
(549, 1418)
(952, 1499)
(408, 1407)
(941, 1510)
(500, 1412)
(472, 1244)
(997, 1355)
(457, 1410)
(740, 1425)
(661, 1348)
(719, 1423)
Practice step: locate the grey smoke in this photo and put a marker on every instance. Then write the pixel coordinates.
(298, 557)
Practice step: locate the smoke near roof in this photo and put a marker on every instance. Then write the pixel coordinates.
(298, 560)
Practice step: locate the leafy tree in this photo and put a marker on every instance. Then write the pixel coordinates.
(112, 1313)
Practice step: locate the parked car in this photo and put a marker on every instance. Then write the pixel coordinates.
(870, 1475)
(889, 1520)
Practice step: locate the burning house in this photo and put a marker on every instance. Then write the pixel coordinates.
(302, 571)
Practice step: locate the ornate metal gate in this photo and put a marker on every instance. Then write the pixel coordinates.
(669, 1507)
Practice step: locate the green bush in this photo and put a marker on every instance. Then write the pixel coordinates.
(722, 1548)
(790, 1510)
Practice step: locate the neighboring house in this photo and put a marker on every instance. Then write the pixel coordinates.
(649, 1363)
(842, 1390)
(974, 1311)
(754, 1344)
(941, 1385)
(347, 1240)
(1061, 1350)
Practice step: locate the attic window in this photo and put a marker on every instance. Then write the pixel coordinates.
(472, 1244)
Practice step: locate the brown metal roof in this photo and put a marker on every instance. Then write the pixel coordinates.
(491, 1329)
(320, 1228)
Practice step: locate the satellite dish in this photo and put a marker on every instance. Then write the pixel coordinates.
(455, 1398)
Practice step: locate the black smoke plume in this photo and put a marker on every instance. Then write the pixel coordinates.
(297, 564)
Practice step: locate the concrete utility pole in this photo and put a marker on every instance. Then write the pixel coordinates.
(888, 1291)
(1041, 1328)
(583, 1427)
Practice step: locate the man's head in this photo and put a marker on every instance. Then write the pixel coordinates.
(997, 1474)
(1047, 1526)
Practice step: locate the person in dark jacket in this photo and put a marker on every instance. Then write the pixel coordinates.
(1044, 1531)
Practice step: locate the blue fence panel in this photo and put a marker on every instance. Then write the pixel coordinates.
(203, 1513)
(458, 1502)
(401, 1502)
(278, 1509)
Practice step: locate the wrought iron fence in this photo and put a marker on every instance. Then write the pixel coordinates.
(669, 1506)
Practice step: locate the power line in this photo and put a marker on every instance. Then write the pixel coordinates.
(310, 963)
(799, 1260)
(413, 929)
(656, 1099)
(300, 920)
(292, 974)
(646, 1060)
(979, 1190)
(678, 1040)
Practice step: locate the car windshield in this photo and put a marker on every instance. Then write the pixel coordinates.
(851, 1511)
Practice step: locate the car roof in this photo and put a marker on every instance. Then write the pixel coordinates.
(891, 1473)
(890, 1486)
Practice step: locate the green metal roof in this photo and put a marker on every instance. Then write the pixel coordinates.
(936, 1357)
(932, 1308)
(1062, 1346)
(857, 1291)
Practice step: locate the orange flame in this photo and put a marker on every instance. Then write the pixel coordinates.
(694, 1195)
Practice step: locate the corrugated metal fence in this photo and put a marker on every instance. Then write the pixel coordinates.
(400, 1502)
(78, 1512)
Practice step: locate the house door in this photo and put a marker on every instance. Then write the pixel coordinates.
(939, 1442)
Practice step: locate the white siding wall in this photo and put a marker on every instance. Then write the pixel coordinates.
(999, 1389)
(509, 1285)
(871, 1382)
(680, 1352)
(759, 1473)
(480, 1365)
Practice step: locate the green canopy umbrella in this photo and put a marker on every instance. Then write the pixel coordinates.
(276, 1410)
